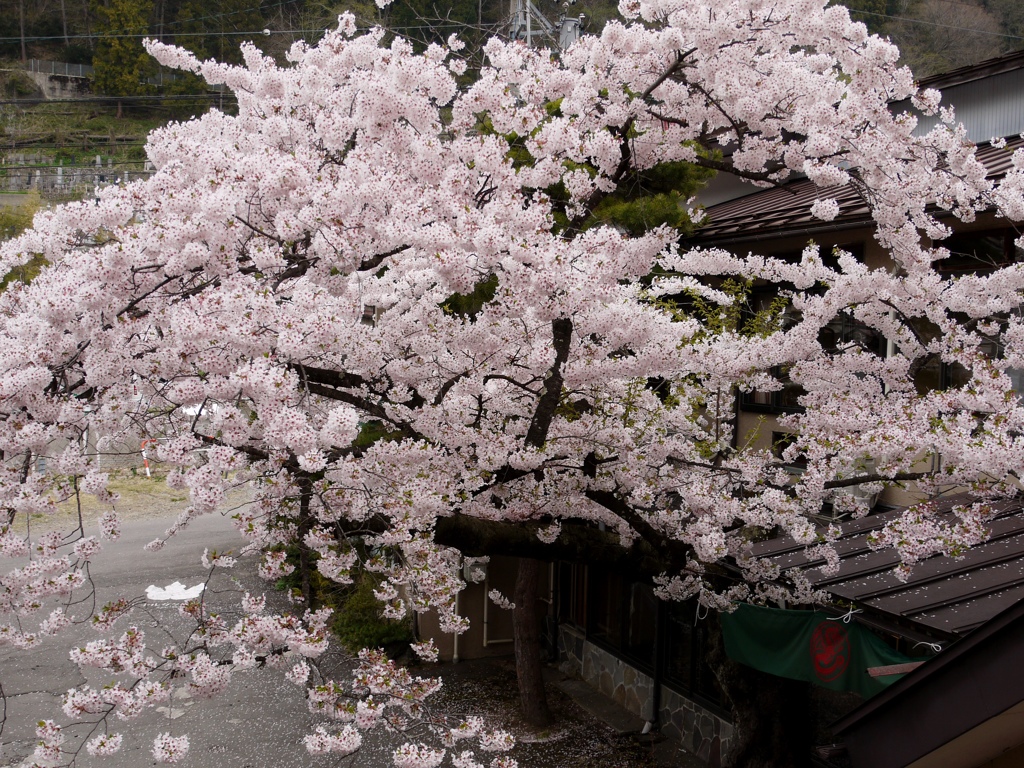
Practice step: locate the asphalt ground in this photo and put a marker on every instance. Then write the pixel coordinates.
(258, 723)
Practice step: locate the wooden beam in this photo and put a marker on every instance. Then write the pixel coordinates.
(894, 669)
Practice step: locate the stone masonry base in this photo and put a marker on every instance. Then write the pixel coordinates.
(697, 729)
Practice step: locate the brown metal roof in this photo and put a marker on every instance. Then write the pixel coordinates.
(786, 210)
(945, 595)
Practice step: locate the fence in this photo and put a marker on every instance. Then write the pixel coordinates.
(63, 69)
(61, 182)
(59, 68)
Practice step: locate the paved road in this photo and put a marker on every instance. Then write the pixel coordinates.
(258, 723)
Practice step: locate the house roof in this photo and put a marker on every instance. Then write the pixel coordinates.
(943, 596)
(995, 66)
(786, 210)
(961, 708)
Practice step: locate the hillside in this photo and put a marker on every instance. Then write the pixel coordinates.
(63, 148)
(936, 34)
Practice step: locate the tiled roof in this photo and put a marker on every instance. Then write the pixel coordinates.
(786, 210)
(951, 596)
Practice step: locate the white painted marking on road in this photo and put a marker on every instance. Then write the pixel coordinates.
(175, 591)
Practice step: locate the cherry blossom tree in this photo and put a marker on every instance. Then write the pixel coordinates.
(526, 382)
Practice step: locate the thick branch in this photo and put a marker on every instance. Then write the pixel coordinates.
(659, 542)
(537, 434)
(375, 261)
(846, 482)
(328, 377)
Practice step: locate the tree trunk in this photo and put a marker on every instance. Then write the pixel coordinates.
(526, 632)
(771, 715)
(305, 526)
(64, 23)
(88, 25)
(21, 28)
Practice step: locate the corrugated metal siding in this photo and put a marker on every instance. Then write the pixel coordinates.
(989, 108)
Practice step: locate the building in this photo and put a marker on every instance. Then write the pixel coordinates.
(649, 655)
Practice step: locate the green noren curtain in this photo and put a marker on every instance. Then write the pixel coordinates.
(811, 646)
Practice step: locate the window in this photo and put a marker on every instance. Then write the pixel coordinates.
(787, 398)
(625, 617)
(604, 606)
(686, 649)
(622, 615)
(936, 374)
(572, 596)
(979, 252)
(846, 332)
(970, 253)
(782, 400)
(780, 442)
(840, 335)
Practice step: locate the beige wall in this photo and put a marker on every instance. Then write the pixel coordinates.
(490, 627)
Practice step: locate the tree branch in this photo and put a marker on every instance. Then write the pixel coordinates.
(537, 434)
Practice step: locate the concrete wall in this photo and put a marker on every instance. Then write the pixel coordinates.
(60, 86)
(698, 730)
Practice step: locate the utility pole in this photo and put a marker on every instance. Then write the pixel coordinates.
(561, 34)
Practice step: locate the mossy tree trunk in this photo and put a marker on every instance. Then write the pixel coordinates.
(526, 632)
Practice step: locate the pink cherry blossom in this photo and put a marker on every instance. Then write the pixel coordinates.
(362, 297)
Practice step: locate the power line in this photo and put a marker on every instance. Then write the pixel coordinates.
(944, 26)
(124, 99)
(252, 33)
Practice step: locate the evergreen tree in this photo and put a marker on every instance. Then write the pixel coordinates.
(215, 30)
(121, 64)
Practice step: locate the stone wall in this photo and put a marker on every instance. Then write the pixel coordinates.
(697, 729)
(619, 681)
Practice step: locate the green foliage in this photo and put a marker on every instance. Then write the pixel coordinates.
(653, 197)
(358, 622)
(17, 85)
(121, 63)
(75, 53)
(372, 431)
(644, 213)
(735, 317)
(468, 305)
(13, 221)
(643, 200)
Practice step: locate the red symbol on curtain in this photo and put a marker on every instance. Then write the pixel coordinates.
(830, 650)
